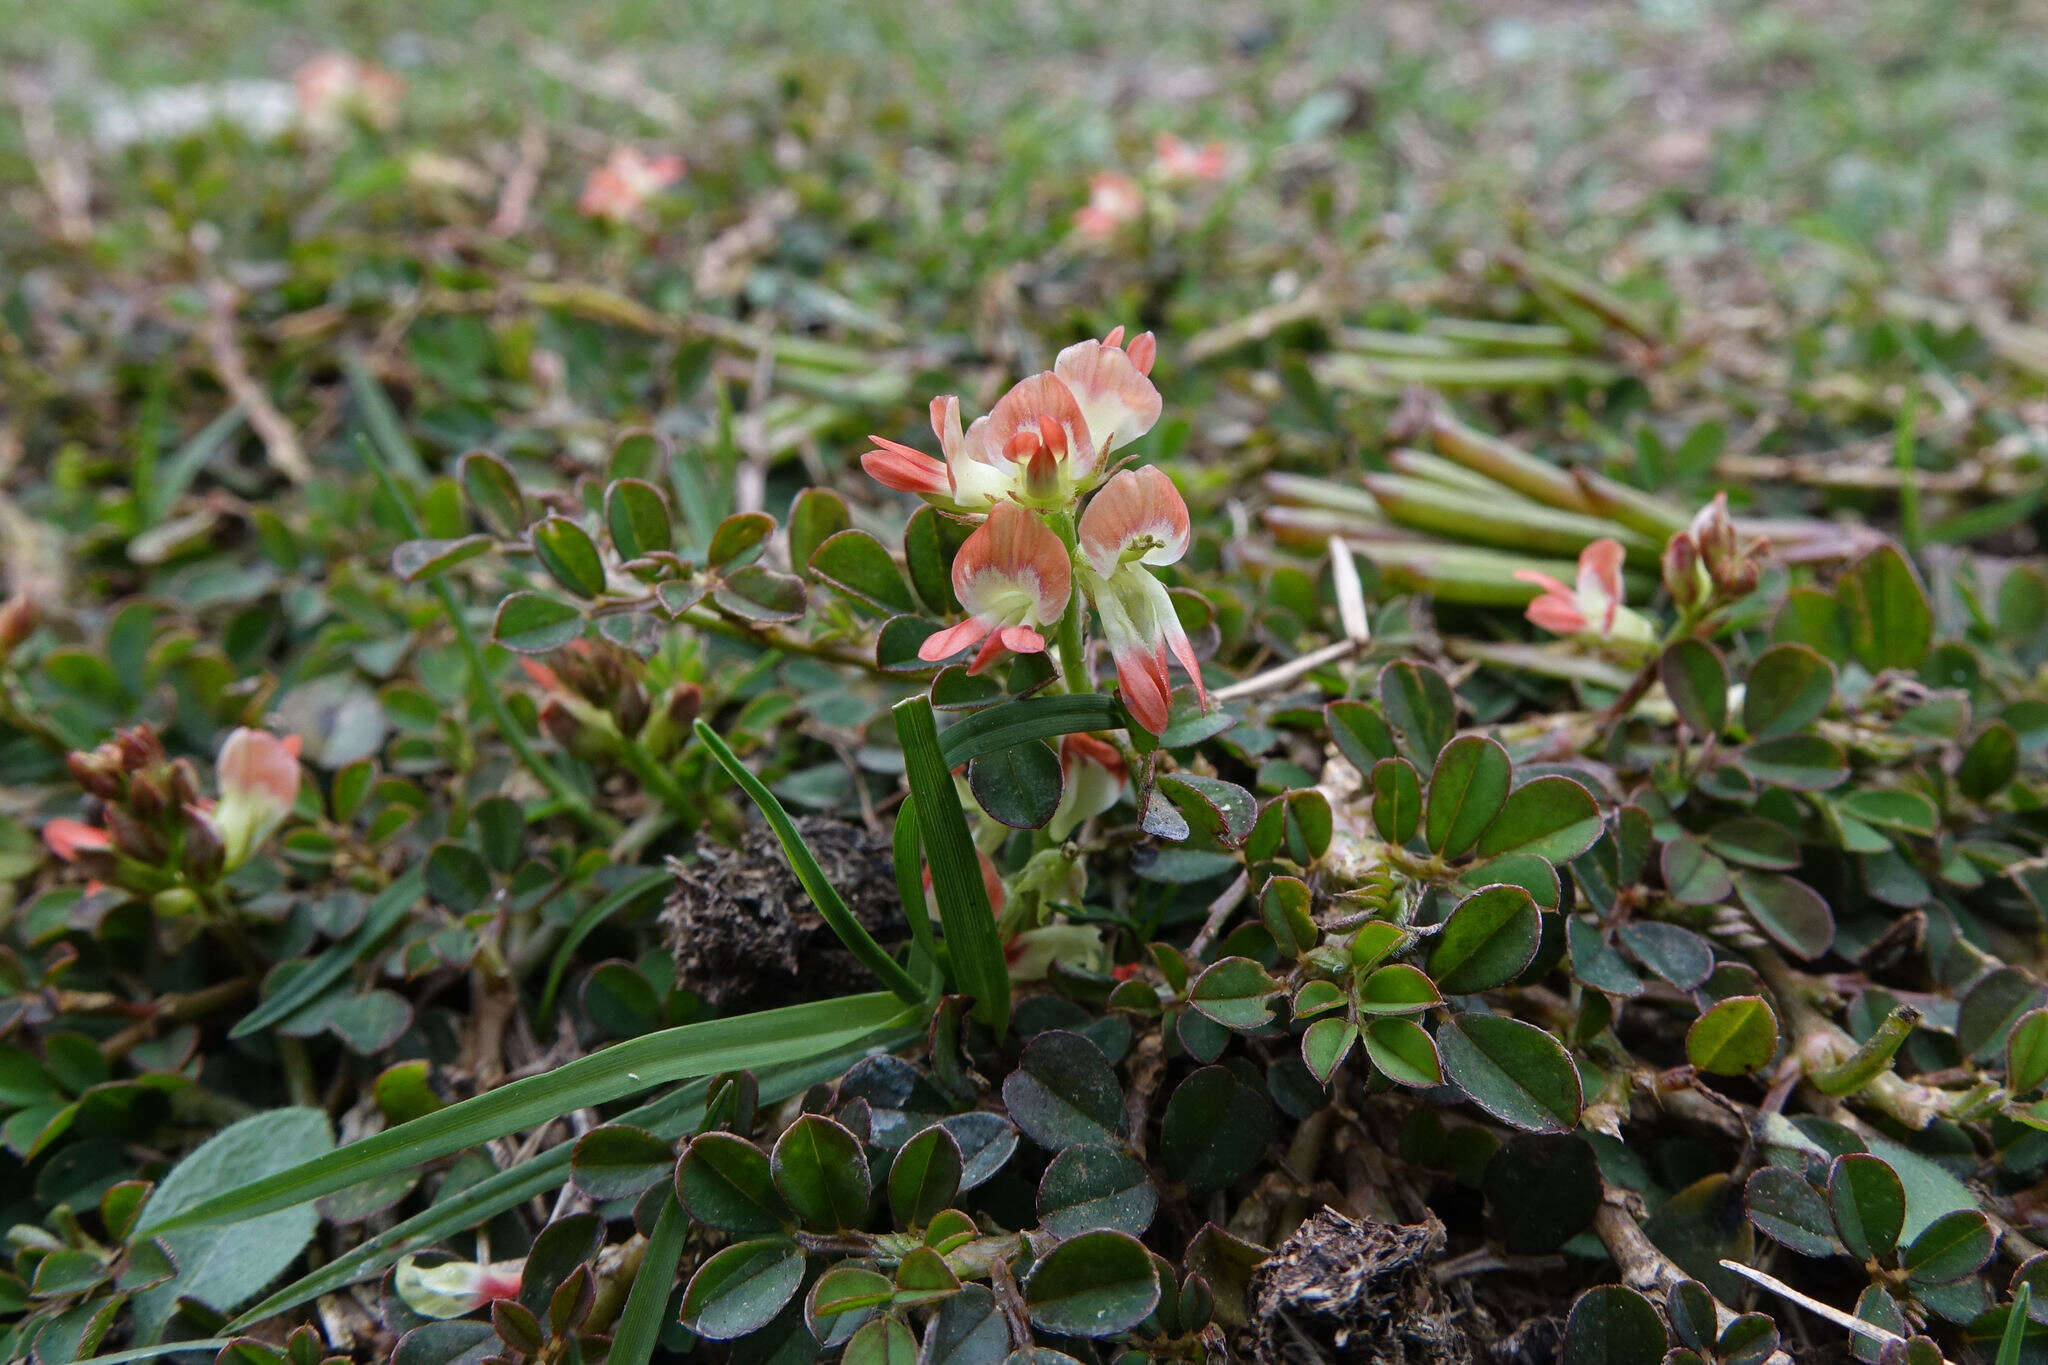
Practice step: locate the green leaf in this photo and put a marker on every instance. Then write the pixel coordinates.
(815, 516)
(976, 954)
(1418, 703)
(457, 876)
(1214, 1130)
(534, 623)
(924, 1177)
(1992, 1008)
(2026, 1052)
(1753, 841)
(1403, 1052)
(1325, 1044)
(1514, 1071)
(1466, 791)
(1677, 954)
(929, 544)
(1884, 611)
(566, 551)
(1612, 1324)
(1692, 875)
(821, 1171)
(221, 1266)
(1396, 989)
(739, 1290)
(1488, 940)
(1396, 800)
(770, 1037)
(637, 516)
(860, 566)
(1803, 762)
(1697, 682)
(1028, 718)
(1094, 1285)
(1550, 817)
(1789, 687)
(1789, 1211)
(618, 1161)
(1237, 993)
(1989, 763)
(1215, 809)
(1359, 733)
(1787, 909)
(1868, 1204)
(759, 595)
(1951, 1247)
(726, 1182)
(1906, 811)
(844, 1299)
(1736, 1036)
(1064, 1092)
(413, 560)
(493, 493)
(1019, 786)
(1087, 1188)
(969, 1329)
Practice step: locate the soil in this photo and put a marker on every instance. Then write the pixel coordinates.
(744, 932)
(1341, 1290)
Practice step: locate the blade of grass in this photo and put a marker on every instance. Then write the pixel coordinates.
(804, 863)
(587, 922)
(673, 1115)
(385, 913)
(162, 1348)
(380, 419)
(908, 856)
(974, 951)
(750, 1040)
(2014, 1339)
(647, 1302)
(558, 786)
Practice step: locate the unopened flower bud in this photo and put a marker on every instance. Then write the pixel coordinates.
(183, 782)
(664, 731)
(149, 795)
(1685, 578)
(174, 901)
(138, 747)
(630, 707)
(203, 855)
(18, 618)
(1714, 534)
(93, 772)
(134, 838)
(580, 728)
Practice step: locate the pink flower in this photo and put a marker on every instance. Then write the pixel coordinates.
(1014, 578)
(1174, 158)
(334, 86)
(259, 782)
(1095, 777)
(1044, 443)
(621, 187)
(67, 838)
(1139, 520)
(1113, 200)
(454, 1288)
(1595, 608)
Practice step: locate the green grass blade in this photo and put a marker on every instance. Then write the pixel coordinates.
(804, 863)
(385, 913)
(380, 419)
(671, 1116)
(908, 855)
(974, 951)
(2013, 1342)
(1020, 722)
(678, 1054)
(587, 922)
(162, 1348)
(647, 1301)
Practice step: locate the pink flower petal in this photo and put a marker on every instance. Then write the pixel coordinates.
(950, 641)
(1134, 504)
(1117, 400)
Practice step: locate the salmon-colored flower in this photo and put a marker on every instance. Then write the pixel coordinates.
(1013, 577)
(67, 838)
(1113, 200)
(1138, 520)
(1046, 442)
(1095, 777)
(1595, 608)
(621, 187)
(1175, 158)
(333, 87)
(259, 782)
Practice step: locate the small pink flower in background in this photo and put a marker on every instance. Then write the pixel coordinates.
(1095, 777)
(1045, 442)
(455, 1288)
(1113, 200)
(1176, 158)
(333, 87)
(1138, 520)
(1013, 577)
(621, 187)
(1595, 607)
(67, 838)
(259, 782)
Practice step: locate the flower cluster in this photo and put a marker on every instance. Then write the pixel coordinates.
(1045, 452)
(1708, 564)
(618, 190)
(158, 830)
